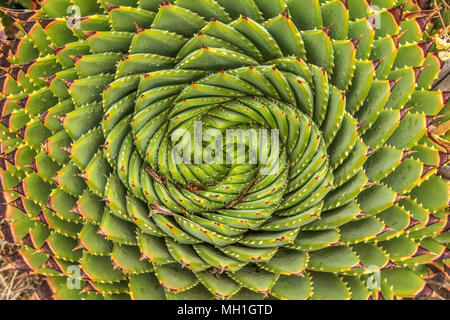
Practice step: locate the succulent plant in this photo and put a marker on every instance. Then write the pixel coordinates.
(355, 207)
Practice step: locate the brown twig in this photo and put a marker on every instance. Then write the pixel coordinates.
(163, 181)
(244, 193)
(159, 209)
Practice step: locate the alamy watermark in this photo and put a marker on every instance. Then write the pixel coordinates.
(375, 19)
(74, 277)
(373, 282)
(239, 146)
(73, 21)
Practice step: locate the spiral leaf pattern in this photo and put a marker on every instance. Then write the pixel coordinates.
(95, 109)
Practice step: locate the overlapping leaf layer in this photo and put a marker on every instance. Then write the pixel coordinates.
(89, 113)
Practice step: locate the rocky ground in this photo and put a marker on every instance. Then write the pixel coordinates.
(14, 284)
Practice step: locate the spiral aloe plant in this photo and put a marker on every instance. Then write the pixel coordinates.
(91, 113)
